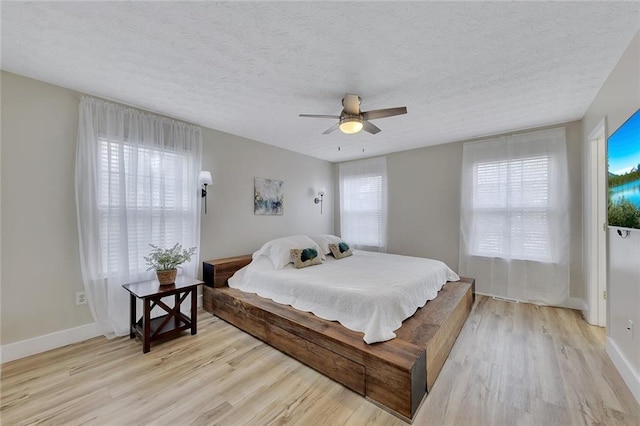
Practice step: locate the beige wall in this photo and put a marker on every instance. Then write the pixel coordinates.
(40, 261)
(1, 181)
(617, 100)
(577, 287)
(41, 266)
(230, 228)
(424, 202)
(619, 96)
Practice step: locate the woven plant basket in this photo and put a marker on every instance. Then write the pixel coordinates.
(167, 277)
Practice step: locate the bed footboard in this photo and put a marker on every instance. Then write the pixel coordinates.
(394, 374)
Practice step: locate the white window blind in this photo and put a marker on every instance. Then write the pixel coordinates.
(511, 209)
(151, 188)
(363, 203)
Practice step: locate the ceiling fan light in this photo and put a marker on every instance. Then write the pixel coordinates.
(351, 125)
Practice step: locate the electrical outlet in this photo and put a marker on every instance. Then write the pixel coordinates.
(81, 298)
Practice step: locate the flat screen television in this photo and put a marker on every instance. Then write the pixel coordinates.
(623, 166)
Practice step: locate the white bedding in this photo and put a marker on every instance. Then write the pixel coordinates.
(368, 292)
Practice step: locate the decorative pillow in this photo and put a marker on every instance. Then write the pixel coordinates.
(279, 250)
(324, 240)
(305, 257)
(340, 250)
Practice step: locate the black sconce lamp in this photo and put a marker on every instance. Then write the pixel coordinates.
(205, 179)
(318, 199)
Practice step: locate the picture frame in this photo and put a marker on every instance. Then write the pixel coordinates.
(268, 197)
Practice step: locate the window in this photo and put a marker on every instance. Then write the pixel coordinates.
(150, 187)
(363, 203)
(514, 217)
(136, 184)
(511, 210)
(514, 203)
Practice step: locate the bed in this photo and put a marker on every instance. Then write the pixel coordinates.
(395, 374)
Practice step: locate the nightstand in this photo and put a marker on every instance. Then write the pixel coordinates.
(216, 272)
(167, 326)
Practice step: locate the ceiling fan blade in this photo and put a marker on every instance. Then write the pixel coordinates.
(381, 113)
(351, 104)
(370, 127)
(331, 129)
(319, 116)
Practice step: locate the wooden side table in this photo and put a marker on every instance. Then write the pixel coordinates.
(166, 326)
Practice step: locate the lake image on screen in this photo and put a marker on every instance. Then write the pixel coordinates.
(623, 149)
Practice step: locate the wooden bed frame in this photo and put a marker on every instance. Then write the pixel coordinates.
(396, 374)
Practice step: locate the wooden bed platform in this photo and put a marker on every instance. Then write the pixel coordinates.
(396, 374)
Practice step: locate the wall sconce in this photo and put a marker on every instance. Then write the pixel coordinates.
(626, 233)
(317, 200)
(205, 179)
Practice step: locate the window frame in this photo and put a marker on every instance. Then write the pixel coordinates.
(353, 204)
(136, 209)
(549, 205)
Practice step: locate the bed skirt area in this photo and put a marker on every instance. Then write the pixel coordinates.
(396, 374)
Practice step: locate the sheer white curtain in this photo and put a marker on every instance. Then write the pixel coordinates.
(136, 184)
(515, 217)
(363, 203)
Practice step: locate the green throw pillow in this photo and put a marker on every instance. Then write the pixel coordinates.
(305, 257)
(340, 250)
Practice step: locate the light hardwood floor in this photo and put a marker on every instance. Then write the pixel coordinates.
(512, 364)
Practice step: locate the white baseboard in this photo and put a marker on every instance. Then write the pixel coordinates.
(572, 302)
(39, 344)
(624, 367)
(36, 345)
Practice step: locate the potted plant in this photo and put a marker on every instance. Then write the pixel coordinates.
(166, 261)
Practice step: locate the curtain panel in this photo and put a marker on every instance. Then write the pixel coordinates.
(514, 230)
(136, 184)
(363, 203)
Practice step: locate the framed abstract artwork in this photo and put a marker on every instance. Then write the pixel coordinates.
(268, 197)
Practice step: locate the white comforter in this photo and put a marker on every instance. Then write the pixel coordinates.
(367, 292)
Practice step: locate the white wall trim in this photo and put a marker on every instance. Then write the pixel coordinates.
(36, 345)
(572, 302)
(594, 265)
(624, 367)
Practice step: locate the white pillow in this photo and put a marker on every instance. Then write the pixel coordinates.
(279, 250)
(324, 240)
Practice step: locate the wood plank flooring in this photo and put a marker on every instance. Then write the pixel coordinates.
(513, 364)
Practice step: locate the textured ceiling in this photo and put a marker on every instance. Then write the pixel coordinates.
(463, 69)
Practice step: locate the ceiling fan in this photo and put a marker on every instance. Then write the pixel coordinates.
(352, 120)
